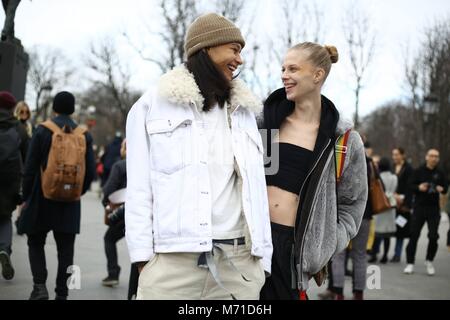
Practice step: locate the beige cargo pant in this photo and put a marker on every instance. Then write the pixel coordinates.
(176, 276)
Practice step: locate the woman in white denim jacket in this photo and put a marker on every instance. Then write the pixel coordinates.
(197, 215)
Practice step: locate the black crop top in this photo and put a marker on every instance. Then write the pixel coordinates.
(294, 165)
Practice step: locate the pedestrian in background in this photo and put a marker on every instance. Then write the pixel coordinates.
(403, 196)
(13, 144)
(427, 182)
(116, 223)
(42, 214)
(385, 221)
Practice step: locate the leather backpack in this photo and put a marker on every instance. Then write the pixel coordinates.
(63, 178)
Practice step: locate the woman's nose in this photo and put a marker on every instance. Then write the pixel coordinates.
(239, 59)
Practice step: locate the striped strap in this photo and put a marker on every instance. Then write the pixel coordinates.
(341, 150)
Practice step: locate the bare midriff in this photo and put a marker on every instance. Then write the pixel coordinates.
(282, 206)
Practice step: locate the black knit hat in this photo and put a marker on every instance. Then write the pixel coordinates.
(64, 103)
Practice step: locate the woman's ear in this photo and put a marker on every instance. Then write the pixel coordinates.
(319, 75)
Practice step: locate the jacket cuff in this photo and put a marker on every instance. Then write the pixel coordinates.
(138, 255)
(267, 264)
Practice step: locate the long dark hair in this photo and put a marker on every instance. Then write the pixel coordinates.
(212, 83)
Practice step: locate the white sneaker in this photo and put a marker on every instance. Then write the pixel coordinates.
(430, 268)
(409, 269)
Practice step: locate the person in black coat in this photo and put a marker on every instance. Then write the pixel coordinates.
(40, 215)
(117, 180)
(110, 157)
(403, 196)
(427, 182)
(13, 145)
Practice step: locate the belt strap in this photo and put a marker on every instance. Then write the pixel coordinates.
(206, 261)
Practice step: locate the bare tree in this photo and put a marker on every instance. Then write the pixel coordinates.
(176, 15)
(300, 21)
(231, 9)
(436, 87)
(361, 40)
(392, 125)
(113, 77)
(48, 71)
(422, 122)
(108, 120)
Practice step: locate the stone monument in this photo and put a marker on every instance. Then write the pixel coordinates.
(13, 58)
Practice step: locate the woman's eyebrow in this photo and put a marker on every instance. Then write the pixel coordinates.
(237, 46)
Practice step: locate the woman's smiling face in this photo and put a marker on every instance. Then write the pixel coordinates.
(227, 58)
(299, 76)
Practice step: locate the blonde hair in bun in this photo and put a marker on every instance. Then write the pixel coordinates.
(332, 51)
(320, 56)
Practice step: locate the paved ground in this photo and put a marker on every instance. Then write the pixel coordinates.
(90, 257)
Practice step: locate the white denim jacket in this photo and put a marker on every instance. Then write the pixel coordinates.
(168, 203)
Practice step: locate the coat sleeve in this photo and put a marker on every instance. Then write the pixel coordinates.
(444, 183)
(352, 193)
(32, 163)
(139, 198)
(90, 164)
(113, 183)
(414, 181)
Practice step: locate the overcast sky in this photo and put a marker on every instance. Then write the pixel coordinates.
(71, 25)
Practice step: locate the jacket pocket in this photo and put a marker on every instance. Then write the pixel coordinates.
(170, 144)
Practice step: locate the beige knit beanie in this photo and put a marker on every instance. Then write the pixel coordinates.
(210, 30)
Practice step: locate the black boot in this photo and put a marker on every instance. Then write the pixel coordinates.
(7, 268)
(39, 292)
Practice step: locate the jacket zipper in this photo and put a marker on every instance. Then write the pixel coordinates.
(309, 213)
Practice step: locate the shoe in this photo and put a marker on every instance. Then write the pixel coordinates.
(358, 296)
(7, 268)
(372, 259)
(340, 297)
(110, 281)
(409, 269)
(383, 260)
(39, 292)
(395, 259)
(60, 297)
(327, 295)
(430, 268)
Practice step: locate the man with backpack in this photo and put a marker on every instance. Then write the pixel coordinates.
(13, 144)
(60, 167)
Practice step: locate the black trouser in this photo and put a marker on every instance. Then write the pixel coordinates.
(431, 216)
(279, 285)
(134, 280)
(36, 253)
(112, 236)
(448, 232)
(5, 234)
(377, 244)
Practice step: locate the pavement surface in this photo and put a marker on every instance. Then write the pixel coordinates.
(388, 280)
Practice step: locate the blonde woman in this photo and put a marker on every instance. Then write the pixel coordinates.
(23, 114)
(312, 217)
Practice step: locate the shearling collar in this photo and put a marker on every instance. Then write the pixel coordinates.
(178, 86)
